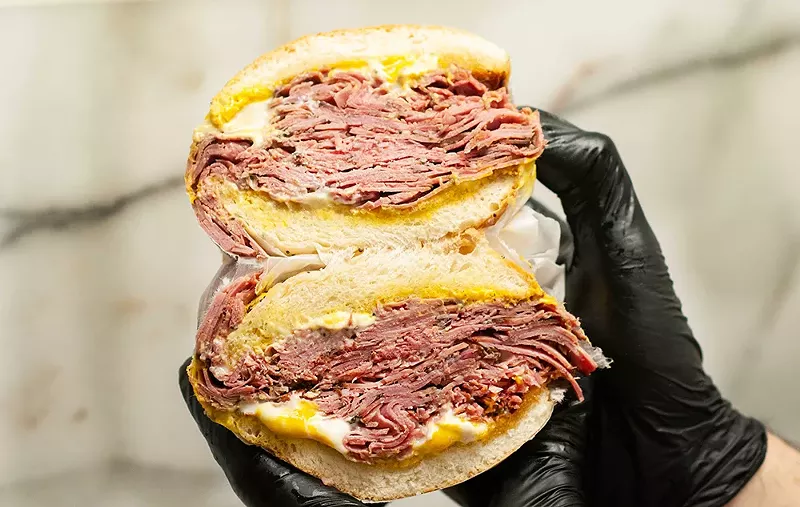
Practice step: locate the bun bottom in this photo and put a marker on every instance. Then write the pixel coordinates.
(381, 482)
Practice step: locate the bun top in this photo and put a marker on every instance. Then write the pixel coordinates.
(394, 48)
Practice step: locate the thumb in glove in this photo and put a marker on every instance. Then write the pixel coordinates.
(258, 478)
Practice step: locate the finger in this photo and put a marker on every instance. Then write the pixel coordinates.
(574, 159)
(620, 271)
(547, 471)
(476, 492)
(257, 478)
(543, 481)
(583, 168)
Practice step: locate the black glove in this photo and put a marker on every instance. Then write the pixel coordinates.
(256, 477)
(659, 432)
(545, 472)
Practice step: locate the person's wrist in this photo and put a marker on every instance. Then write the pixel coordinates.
(776, 482)
(730, 455)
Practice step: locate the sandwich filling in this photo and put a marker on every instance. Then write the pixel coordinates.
(359, 139)
(413, 377)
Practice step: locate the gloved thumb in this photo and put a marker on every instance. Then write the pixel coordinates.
(545, 472)
(258, 478)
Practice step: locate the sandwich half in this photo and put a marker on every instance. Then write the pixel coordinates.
(378, 334)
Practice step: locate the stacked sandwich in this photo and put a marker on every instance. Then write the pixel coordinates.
(382, 337)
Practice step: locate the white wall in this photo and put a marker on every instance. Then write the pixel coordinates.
(99, 101)
(97, 300)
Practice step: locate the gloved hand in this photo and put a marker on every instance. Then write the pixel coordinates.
(657, 430)
(545, 472)
(256, 477)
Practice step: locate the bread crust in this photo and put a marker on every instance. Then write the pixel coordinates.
(487, 62)
(382, 483)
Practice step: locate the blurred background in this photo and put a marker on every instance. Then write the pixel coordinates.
(102, 263)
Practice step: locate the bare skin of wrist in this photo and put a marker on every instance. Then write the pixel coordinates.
(777, 482)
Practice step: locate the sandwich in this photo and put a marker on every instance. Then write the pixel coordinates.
(376, 331)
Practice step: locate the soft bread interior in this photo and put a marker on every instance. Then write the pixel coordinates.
(389, 45)
(465, 268)
(291, 229)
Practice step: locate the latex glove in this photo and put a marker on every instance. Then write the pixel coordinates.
(257, 478)
(659, 418)
(545, 472)
(659, 432)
